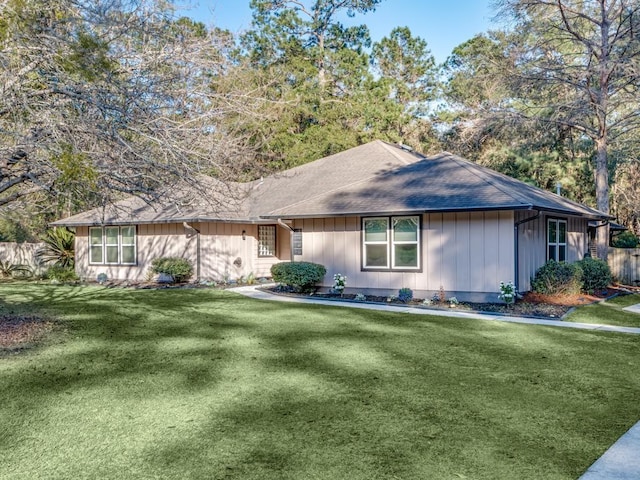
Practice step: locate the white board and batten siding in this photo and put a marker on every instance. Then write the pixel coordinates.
(464, 253)
(532, 243)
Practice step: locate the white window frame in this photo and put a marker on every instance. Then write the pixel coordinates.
(415, 242)
(365, 243)
(390, 244)
(557, 242)
(267, 241)
(119, 245)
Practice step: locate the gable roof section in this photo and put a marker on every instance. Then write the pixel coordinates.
(377, 178)
(441, 183)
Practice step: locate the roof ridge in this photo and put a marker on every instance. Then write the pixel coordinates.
(479, 171)
(393, 149)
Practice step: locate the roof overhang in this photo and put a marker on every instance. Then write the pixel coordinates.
(436, 210)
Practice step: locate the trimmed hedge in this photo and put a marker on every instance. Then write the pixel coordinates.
(179, 268)
(596, 274)
(557, 278)
(301, 276)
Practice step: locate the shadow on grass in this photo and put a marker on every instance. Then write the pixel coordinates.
(208, 384)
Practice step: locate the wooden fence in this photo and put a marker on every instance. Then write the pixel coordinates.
(625, 265)
(22, 254)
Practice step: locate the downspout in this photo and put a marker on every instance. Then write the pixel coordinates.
(194, 231)
(516, 243)
(284, 225)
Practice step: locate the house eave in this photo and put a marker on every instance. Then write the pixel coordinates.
(400, 212)
(245, 221)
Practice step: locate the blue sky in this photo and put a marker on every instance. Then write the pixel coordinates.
(444, 24)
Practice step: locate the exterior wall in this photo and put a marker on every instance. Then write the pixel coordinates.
(532, 243)
(468, 254)
(224, 254)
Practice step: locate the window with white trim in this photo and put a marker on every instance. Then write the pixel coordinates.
(266, 240)
(391, 243)
(112, 245)
(556, 239)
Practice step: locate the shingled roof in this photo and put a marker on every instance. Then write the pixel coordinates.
(377, 178)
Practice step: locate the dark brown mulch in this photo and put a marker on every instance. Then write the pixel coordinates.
(18, 332)
(532, 305)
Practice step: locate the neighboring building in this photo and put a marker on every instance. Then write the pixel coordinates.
(381, 214)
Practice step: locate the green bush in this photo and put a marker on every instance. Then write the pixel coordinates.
(596, 274)
(61, 274)
(179, 268)
(625, 240)
(405, 295)
(557, 278)
(301, 276)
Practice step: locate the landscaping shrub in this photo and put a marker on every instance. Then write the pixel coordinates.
(61, 274)
(405, 295)
(625, 240)
(58, 249)
(301, 276)
(557, 278)
(596, 274)
(179, 268)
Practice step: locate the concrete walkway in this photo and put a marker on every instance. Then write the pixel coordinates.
(254, 292)
(620, 462)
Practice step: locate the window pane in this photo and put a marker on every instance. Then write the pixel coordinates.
(552, 252)
(376, 256)
(111, 235)
(129, 254)
(562, 253)
(375, 230)
(95, 235)
(552, 231)
(562, 229)
(112, 254)
(96, 254)
(128, 235)
(405, 229)
(406, 255)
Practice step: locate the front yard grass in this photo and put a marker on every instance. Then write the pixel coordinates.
(194, 384)
(608, 313)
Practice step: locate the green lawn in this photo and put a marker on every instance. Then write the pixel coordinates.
(609, 312)
(203, 384)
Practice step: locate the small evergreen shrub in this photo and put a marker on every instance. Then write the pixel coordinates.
(301, 276)
(557, 278)
(179, 268)
(625, 240)
(596, 274)
(405, 295)
(61, 274)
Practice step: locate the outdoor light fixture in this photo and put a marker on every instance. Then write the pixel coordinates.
(244, 234)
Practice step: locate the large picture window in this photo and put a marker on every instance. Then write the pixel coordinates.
(391, 243)
(112, 245)
(556, 240)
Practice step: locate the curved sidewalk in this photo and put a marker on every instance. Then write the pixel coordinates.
(254, 292)
(620, 462)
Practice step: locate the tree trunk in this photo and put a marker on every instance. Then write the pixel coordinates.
(602, 196)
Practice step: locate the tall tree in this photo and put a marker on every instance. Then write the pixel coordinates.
(406, 67)
(577, 64)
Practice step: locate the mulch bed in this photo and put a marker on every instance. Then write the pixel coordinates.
(531, 305)
(19, 332)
